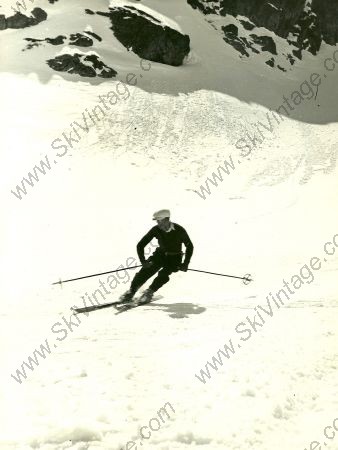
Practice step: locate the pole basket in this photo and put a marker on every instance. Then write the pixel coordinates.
(247, 278)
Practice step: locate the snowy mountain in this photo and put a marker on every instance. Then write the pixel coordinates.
(229, 47)
(146, 35)
(303, 24)
(224, 112)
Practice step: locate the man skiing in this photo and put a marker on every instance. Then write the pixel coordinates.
(166, 259)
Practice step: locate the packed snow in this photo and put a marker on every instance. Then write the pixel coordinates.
(110, 373)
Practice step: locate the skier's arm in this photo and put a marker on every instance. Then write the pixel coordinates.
(143, 243)
(189, 248)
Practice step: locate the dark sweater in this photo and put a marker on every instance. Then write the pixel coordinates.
(169, 242)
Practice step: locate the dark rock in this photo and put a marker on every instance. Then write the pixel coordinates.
(56, 41)
(3, 24)
(19, 20)
(230, 37)
(94, 35)
(281, 68)
(271, 62)
(37, 42)
(89, 11)
(297, 53)
(33, 43)
(247, 25)
(105, 71)
(291, 59)
(71, 64)
(327, 13)
(80, 40)
(230, 30)
(276, 15)
(308, 32)
(309, 22)
(238, 44)
(144, 14)
(39, 14)
(74, 64)
(197, 4)
(241, 44)
(266, 42)
(147, 39)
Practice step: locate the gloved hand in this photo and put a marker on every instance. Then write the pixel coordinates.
(184, 267)
(147, 264)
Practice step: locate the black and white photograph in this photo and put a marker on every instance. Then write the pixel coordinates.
(169, 251)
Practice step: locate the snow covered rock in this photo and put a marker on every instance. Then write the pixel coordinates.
(232, 38)
(306, 34)
(19, 20)
(270, 62)
(242, 44)
(58, 40)
(305, 24)
(85, 65)
(94, 35)
(147, 36)
(265, 42)
(78, 39)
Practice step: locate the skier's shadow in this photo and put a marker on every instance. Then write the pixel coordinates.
(179, 310)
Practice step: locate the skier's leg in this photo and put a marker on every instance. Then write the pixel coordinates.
(161, 279)
(171, 264)
(143, 275)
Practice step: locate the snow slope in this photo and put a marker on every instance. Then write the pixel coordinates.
(154, 149)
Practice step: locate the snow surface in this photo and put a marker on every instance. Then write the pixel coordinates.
(159, 143)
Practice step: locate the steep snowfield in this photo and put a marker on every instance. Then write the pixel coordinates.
(154, 149)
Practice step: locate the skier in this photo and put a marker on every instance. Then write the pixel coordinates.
(166, 259)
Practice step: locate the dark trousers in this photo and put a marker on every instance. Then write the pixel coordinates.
(164, 264)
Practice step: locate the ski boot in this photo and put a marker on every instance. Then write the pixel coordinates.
(146, 296)
(127, 296)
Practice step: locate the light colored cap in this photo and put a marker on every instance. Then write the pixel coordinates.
(162, 214)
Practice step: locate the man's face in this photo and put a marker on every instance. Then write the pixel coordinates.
(163, 224)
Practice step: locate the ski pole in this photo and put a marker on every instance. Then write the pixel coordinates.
(95, 275)
(246, 278)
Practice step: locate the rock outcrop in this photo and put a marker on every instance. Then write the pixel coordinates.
(19, 20)
(81, 40)
(77, 39)
(59, 40)
(84, 65)
(303, 23)
(243, 44)
(147, 36)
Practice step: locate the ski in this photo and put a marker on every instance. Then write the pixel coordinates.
(86, 309)
(124, 306)
(117, 304)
